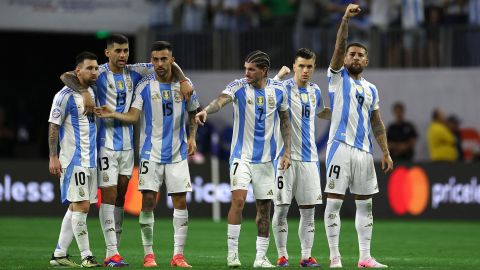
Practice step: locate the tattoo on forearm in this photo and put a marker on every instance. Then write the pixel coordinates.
(218, 103)
(71, 80)
(53, 139)
(340, 45)
(193, 125)
(285, 129)
(263, 217)
(378, 129)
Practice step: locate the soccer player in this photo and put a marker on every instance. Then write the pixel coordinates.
(115, 87)
(259, 105)
(349, 162)
(76, 164)
(302, 180)
(163, 148)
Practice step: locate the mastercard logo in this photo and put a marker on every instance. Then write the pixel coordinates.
(133, 197)
(408, 191)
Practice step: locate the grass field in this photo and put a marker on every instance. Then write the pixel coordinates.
(27, 243)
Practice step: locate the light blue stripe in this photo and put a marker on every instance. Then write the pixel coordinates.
(92, 147)
(102, 86)
(167, 135)
(241, 99)
(259, 132)
(342, 125)
(306, 145)
(273, 140)
(319, 173)
(77, 157)
(360, 133)
(374, 94)
(66, 183)
(119, 107)
(147, 110)
(183, 145)
(331, 153)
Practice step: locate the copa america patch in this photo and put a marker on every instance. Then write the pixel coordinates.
(56, 113)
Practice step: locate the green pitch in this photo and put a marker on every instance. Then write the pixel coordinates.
(27, 243)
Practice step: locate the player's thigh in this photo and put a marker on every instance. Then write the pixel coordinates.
(177, 177)
(107, 167)
(125, 163)
(364, 178)
(77, 184)
(263, 180)
(338, 168)
(150, 175)
(285, 184)
(308, 191)
(240, 175)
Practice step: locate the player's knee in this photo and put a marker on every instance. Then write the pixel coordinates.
(238, 203)
(179, 201)
(148, 201)
(109, 195)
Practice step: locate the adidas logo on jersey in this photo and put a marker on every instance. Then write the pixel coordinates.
(270, 192)
(283, 230)
(333, 225)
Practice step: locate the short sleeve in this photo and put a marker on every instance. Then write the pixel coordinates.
(284, 104)
(143, 69)
(193, 104)
(334, 77)
(138, 98)
(232, 88)
(376, 99)
(59, 110)
(320, 106)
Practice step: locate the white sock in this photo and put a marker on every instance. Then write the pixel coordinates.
(80, 230)
(262, 247)
(280, 228)
(66, 235)
(233, 233)
(118, 214)
(306, 231)
(180, 227)
(332, 225)
(364, 226)
(146, 221)
(107, 222)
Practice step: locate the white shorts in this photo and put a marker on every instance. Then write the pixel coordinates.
(349, 167)
(176, 176)
(302, 181)
(78, 184)
(262, 176)
(112, 163)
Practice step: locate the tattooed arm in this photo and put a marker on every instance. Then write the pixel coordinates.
(378, 129)
(192, 144)
(285, 130)
(70, 79)
(54, 164)
(213, 107)
(325, 114)
(185, 88)
(342, 35)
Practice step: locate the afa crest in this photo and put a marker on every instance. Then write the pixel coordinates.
(81, 192)
(120, 85)
(304, 97)
(177, 97)
(359, 88)
(166, 94)
(271, 101)
(331, 185)
(129, 85)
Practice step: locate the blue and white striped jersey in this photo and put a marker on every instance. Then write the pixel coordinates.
(304, 104)
(255, 119)
(77, 133)
(162, 126)
(117, 90)
(352, 103)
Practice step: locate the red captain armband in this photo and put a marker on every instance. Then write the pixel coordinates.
(182, 81)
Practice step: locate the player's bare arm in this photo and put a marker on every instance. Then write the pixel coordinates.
(54, 164)
(70, 79)
(285, 130)
(378, 129)
(186, 90)
(342, 35)
(263, 217)
(131, 117)
(284, 71)
(213, 107)
(325, 114)
(191, 142)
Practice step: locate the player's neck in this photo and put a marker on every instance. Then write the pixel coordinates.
(260, 84)
(114, 68)
(300, 83)
(167, 78)
(83, 83)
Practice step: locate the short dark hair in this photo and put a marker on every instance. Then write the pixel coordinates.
(259, 58)
(116, 38)
(398, 105)
(357, 44)
(84, 55)
(305, 53)
(160, 46)
(436, 114)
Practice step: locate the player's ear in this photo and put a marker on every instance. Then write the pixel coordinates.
(366, 62)
(172, 60)
(107, 52)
